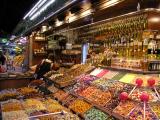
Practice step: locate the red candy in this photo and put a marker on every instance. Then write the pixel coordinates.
(139, 82)
(151, 82)
(123, 96)
(144, 97)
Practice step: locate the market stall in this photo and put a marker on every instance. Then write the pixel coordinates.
(118, 78)
(102, 88)
(94, 93)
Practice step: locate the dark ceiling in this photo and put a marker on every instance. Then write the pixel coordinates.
(11, 12)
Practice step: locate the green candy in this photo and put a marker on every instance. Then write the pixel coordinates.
(95, 114)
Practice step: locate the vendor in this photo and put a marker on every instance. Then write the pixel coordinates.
(45, 66)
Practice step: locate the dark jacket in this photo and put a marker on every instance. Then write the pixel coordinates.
(43, 68)
(2, 59)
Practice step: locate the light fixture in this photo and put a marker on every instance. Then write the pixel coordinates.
(44, 28)
(57, 11)
(42, 3)
(110, 3)
(36, 5)
(35, 15)
(85, 13)
(33, 12)
(36, 8)
(72, 18)
(155, 19)
(58, 23)
(42, 9)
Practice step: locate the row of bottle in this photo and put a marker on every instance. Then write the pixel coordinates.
(155, 66)
(122, 26)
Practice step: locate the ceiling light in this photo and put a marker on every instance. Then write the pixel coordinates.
(42, 3)
(32, 9)
(42, 9)
(155, 19)
(35, 15)
(36, 6)
(33, 12)
(110, 3)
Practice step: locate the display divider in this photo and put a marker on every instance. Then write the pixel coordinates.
(129, 70)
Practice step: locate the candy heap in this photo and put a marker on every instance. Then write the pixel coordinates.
(69, 77)
(26, 90)
(138, 112)
(32, 105)
(97, 96)
(80, 106)
(11, 105)
(124, 108)
(60, 95)
(95, 114)
(8, 94)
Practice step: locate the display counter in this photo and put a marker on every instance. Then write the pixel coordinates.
(14, 81)
(28, 103)
(102, 88)
(89, 92)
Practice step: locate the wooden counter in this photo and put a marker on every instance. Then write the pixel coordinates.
(14, 82)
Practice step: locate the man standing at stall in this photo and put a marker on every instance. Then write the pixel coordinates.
(45, 66)
(2, 62)
(2, 58)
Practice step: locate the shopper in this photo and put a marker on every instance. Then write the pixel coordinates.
(2, 58)
(2, 63)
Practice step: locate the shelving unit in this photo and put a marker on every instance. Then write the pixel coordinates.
(38, 46)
